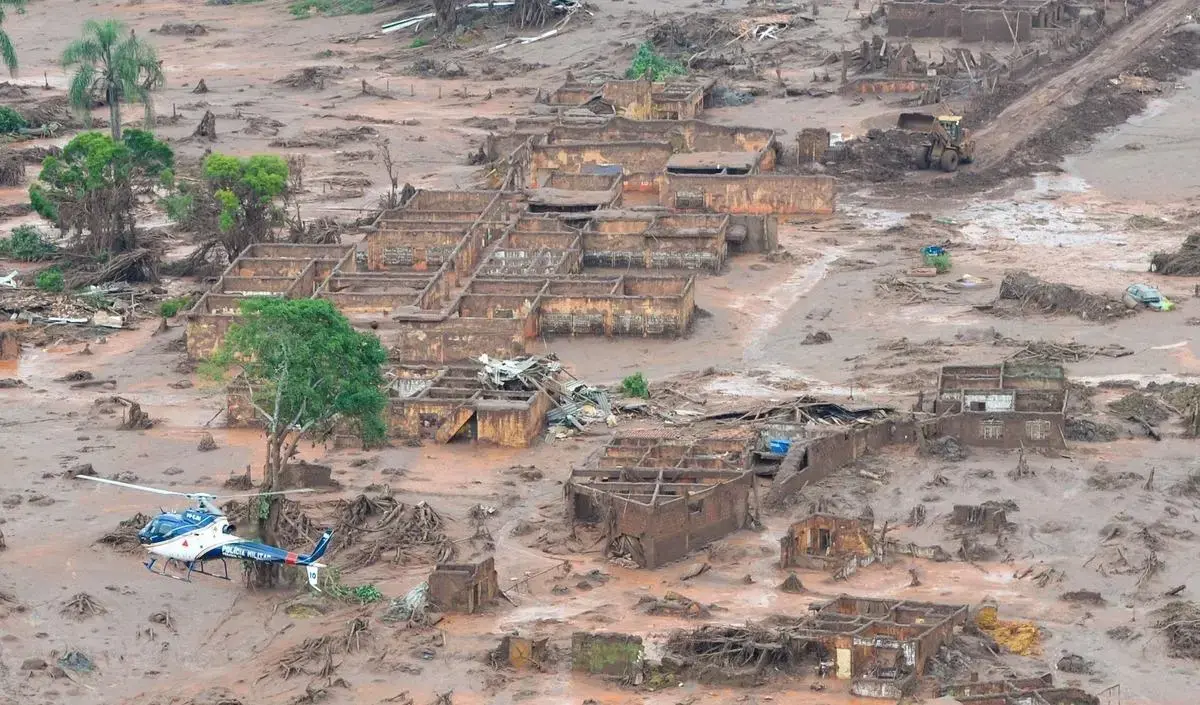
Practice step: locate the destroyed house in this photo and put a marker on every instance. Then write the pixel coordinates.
(1001, 21)
(822, 541)
(452, 402)
(881, 646)
(456, 274)
(1007, 405)
(658, 500)
(638, 99)
(681, 165)
(263, 269)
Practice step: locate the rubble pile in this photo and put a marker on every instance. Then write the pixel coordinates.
(576, 404)
(1034, 294)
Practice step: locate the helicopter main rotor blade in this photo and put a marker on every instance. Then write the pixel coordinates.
(259, 494)
(143, 488)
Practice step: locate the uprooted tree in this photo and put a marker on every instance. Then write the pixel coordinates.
(308, 373)
(93, 188)
(238, 198)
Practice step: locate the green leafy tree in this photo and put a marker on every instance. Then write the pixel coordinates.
(307, 372)
(112, 65)
(239, 198)
(8, 53)
(91, 189)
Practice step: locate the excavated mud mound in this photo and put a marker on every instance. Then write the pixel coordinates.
(880, 156)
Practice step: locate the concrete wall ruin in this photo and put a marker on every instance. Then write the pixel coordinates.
(755, 194)
(463, 587)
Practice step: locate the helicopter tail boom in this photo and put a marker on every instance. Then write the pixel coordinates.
(318, 550)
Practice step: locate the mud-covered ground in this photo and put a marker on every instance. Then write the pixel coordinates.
(155, 640)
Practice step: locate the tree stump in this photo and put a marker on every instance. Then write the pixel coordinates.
(134, 418)
(207, 129)
(201, 87)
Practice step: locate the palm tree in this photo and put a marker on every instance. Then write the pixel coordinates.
(7, 53)
(112, 65)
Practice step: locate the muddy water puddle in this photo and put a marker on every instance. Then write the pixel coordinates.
(1146, 158)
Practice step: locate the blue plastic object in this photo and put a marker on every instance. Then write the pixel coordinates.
(779, 447)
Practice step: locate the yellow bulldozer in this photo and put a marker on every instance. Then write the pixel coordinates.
(950, 144)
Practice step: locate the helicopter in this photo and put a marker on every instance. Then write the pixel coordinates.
(203, 533)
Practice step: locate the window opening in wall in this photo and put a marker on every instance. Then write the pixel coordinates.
(695, 506)
(1037, 430)
(685, 200)
(978, 406)
(992, 430)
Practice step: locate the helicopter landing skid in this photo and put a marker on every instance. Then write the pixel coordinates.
(197, 567)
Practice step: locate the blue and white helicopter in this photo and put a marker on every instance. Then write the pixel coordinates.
(203, 533)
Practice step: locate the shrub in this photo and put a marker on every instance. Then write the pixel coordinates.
(418, 43)
(50, 280)
(331, 8)
(11, 121)
(170, 307)
(648, 63)
(635, 385)
(941, 263)
(26, 244)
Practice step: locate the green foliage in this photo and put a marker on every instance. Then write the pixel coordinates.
(11, 121)
(8, 53)
(307, 367)
(111, 64)
(93, 186)
(50, 280)
(939, 262)
(332, 586)
(170, 307)
(179, 206)
(26, 244)
(635, 385)
(239, 197)
(331, 8)
(418, 42)
(648, 63)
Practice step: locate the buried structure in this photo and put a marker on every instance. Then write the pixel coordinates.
(881, 646)
(1006, 405)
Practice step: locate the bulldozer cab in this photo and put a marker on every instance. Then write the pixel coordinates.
(952, 124)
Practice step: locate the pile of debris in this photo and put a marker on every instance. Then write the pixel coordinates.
(373, 528)
(109, 306)
(673, 604)
(1032, 293)
(1046, 351)
(727, 653)
(910, 291)
(1183, 263)
(125, 536)
(1179, 621)
(576, 404)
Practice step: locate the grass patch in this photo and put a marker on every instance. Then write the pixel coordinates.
(418, 43)
(331, 8)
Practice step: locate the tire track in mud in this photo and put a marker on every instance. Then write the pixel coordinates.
(1039, 110)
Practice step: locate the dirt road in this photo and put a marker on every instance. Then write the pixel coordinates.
(1039, 109)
